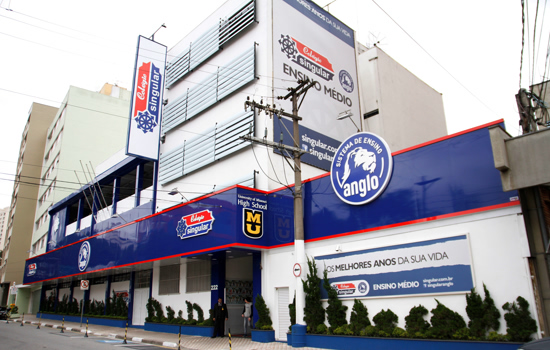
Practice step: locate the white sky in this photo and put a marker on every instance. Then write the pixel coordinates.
(46, 46)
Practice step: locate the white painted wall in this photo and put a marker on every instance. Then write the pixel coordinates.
(499, 252)
(97, 291)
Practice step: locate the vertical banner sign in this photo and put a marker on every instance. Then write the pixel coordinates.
(309, 43)
(147, 96)
(427, 267)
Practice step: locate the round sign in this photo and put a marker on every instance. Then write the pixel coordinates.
(361, 168)
(297, 270)
(84, 256)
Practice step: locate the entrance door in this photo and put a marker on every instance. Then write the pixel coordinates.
(140, 311)
(142, 284)
(283, 313)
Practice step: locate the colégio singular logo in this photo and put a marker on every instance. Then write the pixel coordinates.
(84, 256)
(361, 169)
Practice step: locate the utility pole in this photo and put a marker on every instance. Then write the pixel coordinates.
(299, 246)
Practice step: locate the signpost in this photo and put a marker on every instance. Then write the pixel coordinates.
(84, 285)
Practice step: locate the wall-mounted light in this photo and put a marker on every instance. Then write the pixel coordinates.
(347, 114)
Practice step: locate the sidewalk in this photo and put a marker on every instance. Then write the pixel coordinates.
(137, 335)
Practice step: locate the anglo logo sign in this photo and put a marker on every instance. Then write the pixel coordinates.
(196, 224)
(84, 256)
(361, 169)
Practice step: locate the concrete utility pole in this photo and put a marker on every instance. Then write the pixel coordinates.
(299, 247)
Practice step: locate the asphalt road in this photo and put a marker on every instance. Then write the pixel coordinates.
(28, 337)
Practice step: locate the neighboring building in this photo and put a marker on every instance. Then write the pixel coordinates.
(396, 104)
(23, 200)
(3, 225)
(524, 167)
(223, 224)
(88, 128)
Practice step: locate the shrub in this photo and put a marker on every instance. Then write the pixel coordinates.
(494, 336)
(491, 315)
(385, 322)
(399, 333)
(464, 334)
(200, 313)
(474, 309)
(415, 322)
(343, 330)
(292, 313)
(264, 320)
(359, 318)
(321, 329)
(150, 310)
(314, 313)
(336, 312)
(445, 322)
(369, 331)
(170, 313)
(519, 323)
(190, 317)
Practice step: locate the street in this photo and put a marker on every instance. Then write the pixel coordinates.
(15, 337)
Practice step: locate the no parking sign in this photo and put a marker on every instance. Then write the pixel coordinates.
(84, 284)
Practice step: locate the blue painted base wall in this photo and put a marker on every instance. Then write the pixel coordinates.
(91, 320)
(349, 342)
(203, 331)
(262, 336)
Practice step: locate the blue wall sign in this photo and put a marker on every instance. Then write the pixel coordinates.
(361, 169)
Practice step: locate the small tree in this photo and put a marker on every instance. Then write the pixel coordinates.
(200, 313)
(150, 310)
(385, 322)
(474, 309)
(491, 315)
(292, 312)
(519, 323)
(336, 312)
(170, 314)
(264, 320)
(445, 322)
(415, 322)
(314, 313)
(359, 318)
(190, 318)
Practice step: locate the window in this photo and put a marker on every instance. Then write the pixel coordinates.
(169, 279)
(143, 279)
(198, 276)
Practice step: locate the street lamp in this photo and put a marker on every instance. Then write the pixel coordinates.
(347, 114)
(175, 191)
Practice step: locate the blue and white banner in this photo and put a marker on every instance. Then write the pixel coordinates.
(147, 96)
(428, 267)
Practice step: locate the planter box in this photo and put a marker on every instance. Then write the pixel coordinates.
(203, 331)
(289, 339)
(338, 342)
(100, 321)
(261, 336)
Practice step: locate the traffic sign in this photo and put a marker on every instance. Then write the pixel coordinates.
(84, 284)
(297, 270)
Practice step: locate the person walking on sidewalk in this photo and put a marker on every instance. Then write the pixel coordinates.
(219, 317)
(247, 315)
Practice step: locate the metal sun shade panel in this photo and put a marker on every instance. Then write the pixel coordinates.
(225, 81)
(210, 42)
(214, 144)
(171, 164)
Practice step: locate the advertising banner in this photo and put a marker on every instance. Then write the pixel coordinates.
(147, 97)
(309, 43)
(427, 267)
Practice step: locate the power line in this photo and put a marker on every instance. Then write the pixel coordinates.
(433, 58)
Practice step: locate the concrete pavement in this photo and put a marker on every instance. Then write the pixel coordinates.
(137, 335)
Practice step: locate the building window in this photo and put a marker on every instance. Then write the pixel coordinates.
(169, 279)
(121, 277)
(143, 279)
(198, 276)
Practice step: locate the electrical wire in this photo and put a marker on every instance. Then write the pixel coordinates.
(433, 58)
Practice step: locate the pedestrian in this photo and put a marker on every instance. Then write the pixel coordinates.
(247, 314)
(219, 317)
